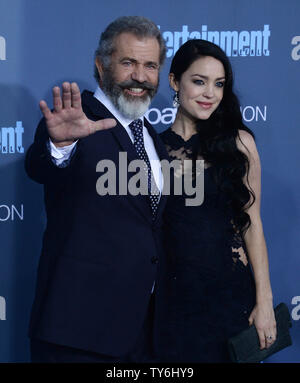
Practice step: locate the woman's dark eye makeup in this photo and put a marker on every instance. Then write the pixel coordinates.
(219, 84)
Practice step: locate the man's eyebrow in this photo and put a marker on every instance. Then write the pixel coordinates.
(152, 63)
(128, 59)
(206, 78)
(135, 61)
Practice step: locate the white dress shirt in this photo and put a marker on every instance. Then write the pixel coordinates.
(61, 154)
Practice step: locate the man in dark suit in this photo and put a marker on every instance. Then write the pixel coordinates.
(96, 276)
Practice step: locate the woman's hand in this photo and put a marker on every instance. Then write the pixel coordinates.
(264, 320)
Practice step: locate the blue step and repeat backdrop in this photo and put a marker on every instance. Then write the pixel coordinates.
(43, 43)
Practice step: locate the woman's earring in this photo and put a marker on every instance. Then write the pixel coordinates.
(176, 102)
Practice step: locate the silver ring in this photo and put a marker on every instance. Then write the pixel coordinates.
(269, 337)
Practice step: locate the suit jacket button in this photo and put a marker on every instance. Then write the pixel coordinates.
(154, 260)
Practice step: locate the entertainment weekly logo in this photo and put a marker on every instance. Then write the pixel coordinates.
(11, 139)
(296, 50)
(234, 43)
(2, 48)
(166, 116)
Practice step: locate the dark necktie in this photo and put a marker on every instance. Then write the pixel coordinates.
(137, 129)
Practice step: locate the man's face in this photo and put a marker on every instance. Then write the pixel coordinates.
(132, 79)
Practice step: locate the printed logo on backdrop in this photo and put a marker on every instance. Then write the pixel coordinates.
(2, 308)
(11, 139)
(166, 116)
(2, 48)
(11, 213)
(254, 113)
(296, 50)
(295, 314)
(234, 43)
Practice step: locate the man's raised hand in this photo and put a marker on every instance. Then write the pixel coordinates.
(67, 122)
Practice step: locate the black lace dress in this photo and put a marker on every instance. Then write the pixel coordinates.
(210, 290)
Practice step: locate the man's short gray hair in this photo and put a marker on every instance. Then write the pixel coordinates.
(137, 25)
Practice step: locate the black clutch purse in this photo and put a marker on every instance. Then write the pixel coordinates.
(245, 348)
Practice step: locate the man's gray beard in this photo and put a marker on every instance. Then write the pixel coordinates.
(129, 106)
(132, 109)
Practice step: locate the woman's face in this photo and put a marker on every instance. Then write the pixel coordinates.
(200, 88)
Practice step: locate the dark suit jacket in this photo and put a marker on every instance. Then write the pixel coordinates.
(100, 253)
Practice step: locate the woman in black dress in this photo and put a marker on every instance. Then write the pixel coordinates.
(212, 292)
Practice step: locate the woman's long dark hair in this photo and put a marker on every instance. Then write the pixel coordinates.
(218, 134)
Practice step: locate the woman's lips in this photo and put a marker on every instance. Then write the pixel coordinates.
(205, 105)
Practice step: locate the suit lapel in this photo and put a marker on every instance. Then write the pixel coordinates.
(159, 145)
